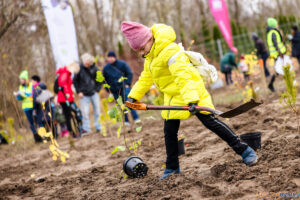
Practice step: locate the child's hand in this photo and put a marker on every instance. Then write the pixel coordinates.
(192, 108)
(131, 100)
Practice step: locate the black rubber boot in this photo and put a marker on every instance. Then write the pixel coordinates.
(37, 138)
(271, 84)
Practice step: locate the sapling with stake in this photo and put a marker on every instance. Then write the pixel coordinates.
(117, 113)
(289, 97)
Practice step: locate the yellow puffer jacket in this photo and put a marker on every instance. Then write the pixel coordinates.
(180, 82)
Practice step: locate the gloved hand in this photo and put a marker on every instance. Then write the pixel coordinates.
(281, 55)
(192, 108)
(131, 100)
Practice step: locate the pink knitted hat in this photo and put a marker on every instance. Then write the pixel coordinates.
(136, 34)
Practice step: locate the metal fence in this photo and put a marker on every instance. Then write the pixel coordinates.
(215, 49)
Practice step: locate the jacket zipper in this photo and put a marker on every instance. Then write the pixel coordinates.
(169, 105)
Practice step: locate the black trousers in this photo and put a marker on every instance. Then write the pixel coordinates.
(228, 78)
(67, 113)
(171, 128)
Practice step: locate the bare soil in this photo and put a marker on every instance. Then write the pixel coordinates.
(210, 169)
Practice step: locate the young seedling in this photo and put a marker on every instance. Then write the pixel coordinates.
(116, 114)
(54, 147)
(10, 134)
(289, 97)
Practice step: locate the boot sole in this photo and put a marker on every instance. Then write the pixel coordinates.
(253, 162)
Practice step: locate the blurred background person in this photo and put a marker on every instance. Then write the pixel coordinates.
(112, 72)
(65, 96)
(244, 68)
(295, 39)
(25, 95)
(227, 64)
(275, 44)
(261, 52)
(87, 89)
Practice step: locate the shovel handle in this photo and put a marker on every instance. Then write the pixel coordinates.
(142, 106)
(199, 108)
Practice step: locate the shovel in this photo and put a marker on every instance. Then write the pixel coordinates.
(229, 114)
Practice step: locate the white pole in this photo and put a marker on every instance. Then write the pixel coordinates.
(220, 48)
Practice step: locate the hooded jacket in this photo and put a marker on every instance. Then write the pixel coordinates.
(180, 82)
(64, 81)
(113, 72)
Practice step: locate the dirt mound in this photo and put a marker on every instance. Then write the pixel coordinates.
(210, 169)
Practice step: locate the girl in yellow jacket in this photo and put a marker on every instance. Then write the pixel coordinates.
(181, 84)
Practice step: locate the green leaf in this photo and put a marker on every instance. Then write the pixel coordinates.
(19, 137)
(110, 99)
(139, 142)
(99, 77)
(138, 129)
(122, 79)
(118, 148)
(112, 113)
(106, 86)
(119, 101)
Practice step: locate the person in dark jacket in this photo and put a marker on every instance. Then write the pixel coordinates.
(227, 64)
(295, 39)
(261, 52)
(37, 107)
(112, 72)
(44, 110)
(87, 89)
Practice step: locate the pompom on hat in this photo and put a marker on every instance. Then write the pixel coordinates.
(136, 34)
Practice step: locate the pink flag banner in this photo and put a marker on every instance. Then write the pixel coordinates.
(219, 10)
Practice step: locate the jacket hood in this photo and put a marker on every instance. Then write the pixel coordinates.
(62, 70)
(43, 86)
(163, 36)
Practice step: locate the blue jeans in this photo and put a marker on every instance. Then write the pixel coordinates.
(29, 116)
(134, 113)
(85, 109)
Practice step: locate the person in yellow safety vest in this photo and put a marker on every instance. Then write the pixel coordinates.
(275, 44)
(25, 94)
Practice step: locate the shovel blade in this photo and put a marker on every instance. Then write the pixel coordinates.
(240, 109)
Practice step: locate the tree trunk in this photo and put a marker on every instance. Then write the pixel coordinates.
(86, 27)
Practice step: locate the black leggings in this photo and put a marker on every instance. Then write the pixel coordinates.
(67, 113)
(171, 128)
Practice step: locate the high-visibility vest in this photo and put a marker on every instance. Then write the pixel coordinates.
(272, 49)
(27, 102)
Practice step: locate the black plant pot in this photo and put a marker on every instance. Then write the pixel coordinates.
(134, 167)
(2, 139)
(252, 139)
